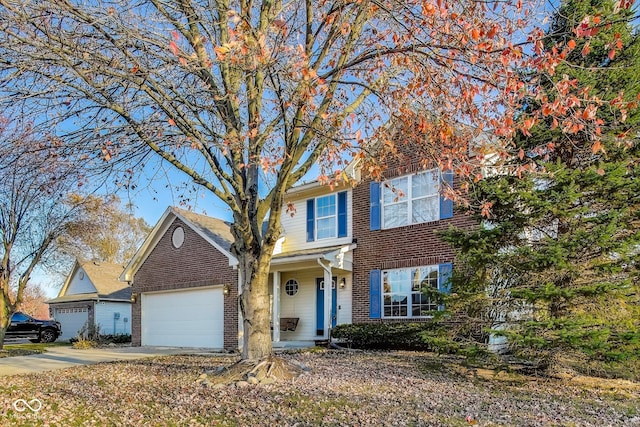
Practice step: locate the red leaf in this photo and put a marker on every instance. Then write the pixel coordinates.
(586, 49)
(173, 47)
(612, 54)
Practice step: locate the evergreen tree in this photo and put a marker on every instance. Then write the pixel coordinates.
(557, 262)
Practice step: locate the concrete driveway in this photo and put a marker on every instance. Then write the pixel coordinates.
(66, 357)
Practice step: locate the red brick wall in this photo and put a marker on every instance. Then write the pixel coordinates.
(408, 246)
(195, 264)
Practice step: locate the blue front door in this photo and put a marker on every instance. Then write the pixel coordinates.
(320, 287)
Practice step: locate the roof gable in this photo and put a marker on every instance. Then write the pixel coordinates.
(213, 230)
(93, 278)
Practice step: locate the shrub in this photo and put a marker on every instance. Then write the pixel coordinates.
(89, 332)
(90, 336)
(115, 339)
(392, 336)
(433, 336)
(83, 344)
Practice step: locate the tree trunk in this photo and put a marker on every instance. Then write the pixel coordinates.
(4, 320)
(5, 312)
(255, 307)
(254, 263)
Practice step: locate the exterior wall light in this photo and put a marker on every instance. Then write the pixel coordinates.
(134, 297)
(226, 289)
(343, 283)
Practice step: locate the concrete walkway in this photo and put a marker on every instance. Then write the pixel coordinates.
(66, 357)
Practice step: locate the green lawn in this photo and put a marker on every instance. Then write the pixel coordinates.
(29, 348)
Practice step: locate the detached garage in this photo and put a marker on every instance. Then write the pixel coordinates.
(184, 282)
(187, 318)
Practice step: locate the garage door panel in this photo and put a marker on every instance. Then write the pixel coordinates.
(72, 320)
(188, 318)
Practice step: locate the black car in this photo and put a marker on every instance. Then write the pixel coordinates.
(25, 326)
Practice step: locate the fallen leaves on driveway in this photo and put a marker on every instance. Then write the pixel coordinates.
(351, 389)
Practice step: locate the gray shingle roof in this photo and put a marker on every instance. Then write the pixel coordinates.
(216, 229)
(104, 277)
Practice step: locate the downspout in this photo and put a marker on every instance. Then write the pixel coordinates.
(328, 321)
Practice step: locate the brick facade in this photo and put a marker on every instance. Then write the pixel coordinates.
(409, 246)
(195, 264)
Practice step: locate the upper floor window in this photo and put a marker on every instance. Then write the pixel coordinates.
(411, 199)
(326, 217)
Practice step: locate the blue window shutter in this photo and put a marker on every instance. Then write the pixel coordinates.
(342, 214)
(446, 205)
(374, 210)
(311, 220)
(445, 277)
(374, 294)
(444, 284)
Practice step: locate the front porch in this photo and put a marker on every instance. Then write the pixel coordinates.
(301, 311)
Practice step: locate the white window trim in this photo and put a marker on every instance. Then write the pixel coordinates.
(409, 198)
(317, 217)
(297, 287)
(409, 315)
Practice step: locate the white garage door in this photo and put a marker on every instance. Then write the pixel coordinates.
(72, 320)
(186, 318)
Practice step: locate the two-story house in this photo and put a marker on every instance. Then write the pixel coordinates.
(347, 255)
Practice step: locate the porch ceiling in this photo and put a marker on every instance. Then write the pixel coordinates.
(308, 258)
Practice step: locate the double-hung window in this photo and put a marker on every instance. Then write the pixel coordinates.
(410, 292)
(326, 217)
(411, 199)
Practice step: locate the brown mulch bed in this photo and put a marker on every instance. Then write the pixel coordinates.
(350, 389)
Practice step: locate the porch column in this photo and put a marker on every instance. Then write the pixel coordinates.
(328, 293)
(276, 307)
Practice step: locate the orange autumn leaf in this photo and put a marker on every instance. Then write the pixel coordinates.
(172, 122)
(221, 52)
(597, 146)
(475, 34)
(571, 44)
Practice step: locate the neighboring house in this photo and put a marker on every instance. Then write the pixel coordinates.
(184, 282)
(93, 294)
